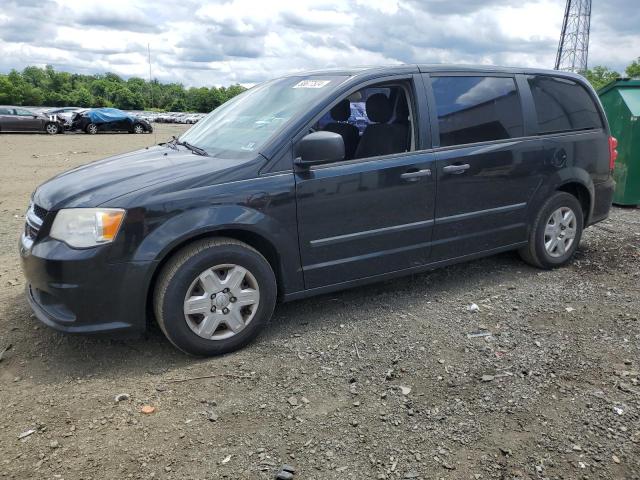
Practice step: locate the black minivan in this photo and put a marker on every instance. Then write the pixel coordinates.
(317, 182)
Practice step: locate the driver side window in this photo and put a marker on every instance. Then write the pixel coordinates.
(374, 121)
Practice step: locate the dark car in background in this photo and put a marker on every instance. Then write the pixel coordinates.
(96, 120)
(265, 199)
(20, 119)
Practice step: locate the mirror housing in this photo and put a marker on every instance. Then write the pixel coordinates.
(319, 147)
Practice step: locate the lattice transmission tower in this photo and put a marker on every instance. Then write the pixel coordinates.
(573, 49)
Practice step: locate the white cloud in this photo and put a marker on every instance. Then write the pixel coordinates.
(200, 42)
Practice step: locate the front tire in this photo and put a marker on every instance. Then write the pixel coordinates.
(138, 129)
(556, 232)
(52, 128)
(91, 129)
(214, 296)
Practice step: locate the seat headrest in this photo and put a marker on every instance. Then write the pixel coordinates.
(341, 111)
(379, 108)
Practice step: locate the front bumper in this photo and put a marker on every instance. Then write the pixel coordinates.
(79, 291)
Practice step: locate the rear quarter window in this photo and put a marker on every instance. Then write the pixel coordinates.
(562, 105)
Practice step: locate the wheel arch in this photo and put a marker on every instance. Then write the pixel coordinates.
(582, 194)
(263, 245)
(573, 180)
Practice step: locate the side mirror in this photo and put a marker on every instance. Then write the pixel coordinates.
(319, 147)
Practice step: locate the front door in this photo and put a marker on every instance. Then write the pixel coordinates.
(372, 214)
(27, 121)
(487, 170)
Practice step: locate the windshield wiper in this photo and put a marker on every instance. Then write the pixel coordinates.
(171, 143)
(193, 148)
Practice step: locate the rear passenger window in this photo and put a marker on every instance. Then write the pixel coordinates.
(477, 109)
(562, 105)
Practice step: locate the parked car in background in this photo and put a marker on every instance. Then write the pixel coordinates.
(64, 114)
(96, 120)
(58, 110)
(264, 200)
(20, 119)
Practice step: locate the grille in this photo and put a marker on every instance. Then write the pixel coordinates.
(35, 217)
(39, 211)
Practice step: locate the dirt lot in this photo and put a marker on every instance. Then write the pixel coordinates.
(396, 380)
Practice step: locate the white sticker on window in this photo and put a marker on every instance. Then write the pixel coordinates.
(311, 83)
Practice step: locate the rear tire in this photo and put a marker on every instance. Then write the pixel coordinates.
(214, 296)
(91, 129)
(556, 232)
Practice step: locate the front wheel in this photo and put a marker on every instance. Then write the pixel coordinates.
(137, 128)
(52, 128)
(92, 129)
(214, 296)
(556, 232)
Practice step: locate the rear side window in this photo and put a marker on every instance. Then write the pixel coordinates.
(477, 109)
(562, 105)
(6, 111)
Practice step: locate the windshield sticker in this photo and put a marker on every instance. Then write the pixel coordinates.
(311, 83)
(249, 147)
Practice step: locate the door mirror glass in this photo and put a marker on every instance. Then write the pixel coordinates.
(320, 147)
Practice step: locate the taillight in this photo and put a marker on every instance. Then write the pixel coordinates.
(613, 153)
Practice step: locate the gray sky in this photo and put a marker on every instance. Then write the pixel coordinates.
(221, 42)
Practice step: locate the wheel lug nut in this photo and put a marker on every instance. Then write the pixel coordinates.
(225, 310)
(232, 299)
(213, 295)
(213, 309)
(226, 290)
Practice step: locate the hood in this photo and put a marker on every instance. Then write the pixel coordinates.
(96, 183)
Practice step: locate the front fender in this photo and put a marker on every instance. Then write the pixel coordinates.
(264, 208)
(194, 223)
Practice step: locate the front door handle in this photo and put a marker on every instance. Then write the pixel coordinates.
(413, 175)
(456, 169)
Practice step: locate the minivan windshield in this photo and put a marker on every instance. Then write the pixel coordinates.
(244, 124)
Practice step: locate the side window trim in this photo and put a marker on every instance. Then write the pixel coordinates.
(435, 126)
(529, 118)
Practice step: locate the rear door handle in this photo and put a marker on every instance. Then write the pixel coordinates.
(413, 175)
(456, 169)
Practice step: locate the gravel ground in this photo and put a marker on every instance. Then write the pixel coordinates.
(402, 379)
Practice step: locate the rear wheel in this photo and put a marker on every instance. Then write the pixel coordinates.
(52, 128)
(556, 232)
(91, 129)
(214, 296)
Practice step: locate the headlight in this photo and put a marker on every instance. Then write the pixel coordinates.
(87, 227)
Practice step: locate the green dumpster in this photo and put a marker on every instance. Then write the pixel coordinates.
(621, 101)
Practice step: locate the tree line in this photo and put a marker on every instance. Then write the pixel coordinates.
(35, 86)
(599, 76)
